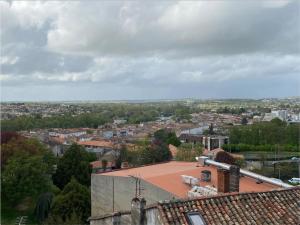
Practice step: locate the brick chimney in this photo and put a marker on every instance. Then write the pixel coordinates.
(234, 178)
(138, 216)
(223, 180)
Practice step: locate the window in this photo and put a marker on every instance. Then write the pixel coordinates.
(194, 218)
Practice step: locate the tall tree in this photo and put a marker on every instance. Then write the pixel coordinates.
(74, 199)
(75, 162)
(211, 129)
(167, 137)
(24, 176)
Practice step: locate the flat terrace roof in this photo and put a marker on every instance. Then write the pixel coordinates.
(167, 176)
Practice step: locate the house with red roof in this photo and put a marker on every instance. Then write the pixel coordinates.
(172, 180)
(275, 207)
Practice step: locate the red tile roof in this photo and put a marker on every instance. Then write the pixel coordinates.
(167, 176)
(57, 140)
(107, 144)
(272, 207)
(98, 164)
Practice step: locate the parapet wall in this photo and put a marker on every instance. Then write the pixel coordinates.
(104, 187)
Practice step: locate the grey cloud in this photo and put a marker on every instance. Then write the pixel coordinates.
(157, 71)
(179, 29)
(33, 59)
(149, 50)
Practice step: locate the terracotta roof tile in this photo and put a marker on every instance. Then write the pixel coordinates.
(168, 177)
(96, 143)
(98, 164)
(272, 207)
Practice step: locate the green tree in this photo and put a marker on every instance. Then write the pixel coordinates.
(24, 176)
(43, 206)
(155, 153)
(161, 135)
(188, 152)
(75, 162)
(28, 147)
(173, 140)
(161, 152)
(211, 129)
(74, 199)
(167, 137)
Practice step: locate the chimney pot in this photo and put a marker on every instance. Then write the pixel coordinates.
(138, 211)
(234, 178)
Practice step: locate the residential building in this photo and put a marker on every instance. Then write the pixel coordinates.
(66, 133)
(167, 181)
(209, 142)
(214, 141)
(57, 145)
(269, 207)
(281, 114)
(191, 138)
(100, 148)
(269, 116)
(98, 166)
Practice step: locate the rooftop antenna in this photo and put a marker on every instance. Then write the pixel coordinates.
(138, 187)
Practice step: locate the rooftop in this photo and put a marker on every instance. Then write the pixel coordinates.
(99, 164)
(272, 207)
(96, 143)
(167, 176)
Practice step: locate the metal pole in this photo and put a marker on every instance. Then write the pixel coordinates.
(113, 194)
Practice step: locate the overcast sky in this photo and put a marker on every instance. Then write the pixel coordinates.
(107, 50)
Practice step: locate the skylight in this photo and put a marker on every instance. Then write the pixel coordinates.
(195, 218)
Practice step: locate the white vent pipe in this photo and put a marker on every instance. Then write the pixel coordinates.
(206, 161)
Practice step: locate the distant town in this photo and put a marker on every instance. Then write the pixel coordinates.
(150, 112)
(127, 155)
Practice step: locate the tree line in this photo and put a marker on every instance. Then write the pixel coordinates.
(264, 136)
(134, 114)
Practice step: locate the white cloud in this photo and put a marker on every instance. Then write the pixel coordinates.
(28, 14)
(6, 60)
